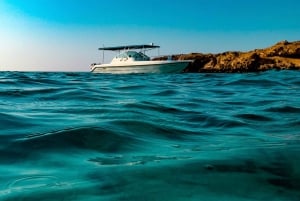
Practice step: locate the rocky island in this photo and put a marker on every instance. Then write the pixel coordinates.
(283, 55)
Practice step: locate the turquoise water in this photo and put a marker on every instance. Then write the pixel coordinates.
(212, 137)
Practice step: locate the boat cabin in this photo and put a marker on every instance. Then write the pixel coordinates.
(129, 54)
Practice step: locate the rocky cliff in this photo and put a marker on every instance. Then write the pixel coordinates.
(283, 55)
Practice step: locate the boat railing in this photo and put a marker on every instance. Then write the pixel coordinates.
(94, 64)
(163, 57)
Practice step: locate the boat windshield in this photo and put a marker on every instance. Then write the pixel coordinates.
(137, 56)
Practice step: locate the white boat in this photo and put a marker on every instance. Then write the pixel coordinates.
(131, 61)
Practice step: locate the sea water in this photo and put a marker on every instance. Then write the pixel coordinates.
(88, 137)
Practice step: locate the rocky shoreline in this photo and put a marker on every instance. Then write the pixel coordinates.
(281, 56)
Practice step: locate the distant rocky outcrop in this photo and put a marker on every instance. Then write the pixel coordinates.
(283, 55)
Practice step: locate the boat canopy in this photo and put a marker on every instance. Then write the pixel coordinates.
(129, 47)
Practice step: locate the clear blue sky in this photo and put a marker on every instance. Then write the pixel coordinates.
(64, 35)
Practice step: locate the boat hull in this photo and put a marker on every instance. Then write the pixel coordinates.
(142, 67)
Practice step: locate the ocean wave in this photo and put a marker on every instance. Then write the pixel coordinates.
(86, 138)
(284, 109)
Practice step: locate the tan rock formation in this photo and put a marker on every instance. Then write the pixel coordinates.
(283, 55)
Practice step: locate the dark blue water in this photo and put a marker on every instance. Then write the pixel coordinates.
(212, 137)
